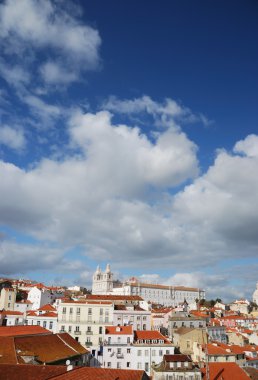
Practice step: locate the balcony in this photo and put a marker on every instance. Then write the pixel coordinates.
(77, 332)
(88, 344)
(89, 332)
(120, 356)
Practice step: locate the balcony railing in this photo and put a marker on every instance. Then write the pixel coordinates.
(77, 332)
(120, 356)
(89, 332)
(88, 344)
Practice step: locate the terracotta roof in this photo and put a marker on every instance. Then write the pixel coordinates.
(30, 372)
(46, 348)
(213, 349)
(177, 358)
(225, 371)
(23, 330)
(47, 307)
(149, 335)
(119, 330)
(87, 302)
(12, 312)
(91, 373)
(7, 351)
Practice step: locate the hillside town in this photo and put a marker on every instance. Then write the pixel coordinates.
(124, 330)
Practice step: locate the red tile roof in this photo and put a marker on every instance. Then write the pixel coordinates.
(149, 335)
(23, 330)
(7, 351)
(30, 372)
(119, 330)
(46, 348)
(47, 307)
(177, 358)
(91, 373)
(12, 312)
(225, 371)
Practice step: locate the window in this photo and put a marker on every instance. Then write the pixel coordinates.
(128, 350)
(138, 318)
(153, 353)
(128, 339)
(100, 311)
(77, 328)
(144, 318)
(109, 349)
(146, 367)
(38, 323)
(118, 365)
(160, 353)
(100, 329)
(109, 364)
(139, 352)
(90, 311)
(119, 350)
(139, 365)
(128, 365)
(70, 329)
(146, 352)
(71, 310)
(144, 326)
(78, 311)
(44, 324)
(62, 328)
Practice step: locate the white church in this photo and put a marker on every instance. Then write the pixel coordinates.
(104, 284)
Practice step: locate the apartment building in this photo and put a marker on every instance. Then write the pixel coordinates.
(85, 321)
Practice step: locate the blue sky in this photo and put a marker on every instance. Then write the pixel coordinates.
(128, 134)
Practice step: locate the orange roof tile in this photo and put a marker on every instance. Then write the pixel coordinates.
(225, 371)
(50, 348)
(150, 335)
(23, 330)
(12, 312)
(119, 330)
(47, 307)
(91, 373)
(30, 372)
(7, 351)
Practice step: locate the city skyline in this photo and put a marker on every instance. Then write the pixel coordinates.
(128, 135)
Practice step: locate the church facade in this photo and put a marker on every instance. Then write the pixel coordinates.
(159, 294)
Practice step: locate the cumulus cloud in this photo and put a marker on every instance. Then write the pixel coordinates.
(45, 45)
(165, 113)
(116, 197)
(248, 146)
(12, 137)
(41, 23)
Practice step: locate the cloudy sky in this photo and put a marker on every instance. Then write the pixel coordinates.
(129, 135)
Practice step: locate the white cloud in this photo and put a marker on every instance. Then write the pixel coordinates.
(12, 137)
(42, 32)
(166, 113)
(125, 151)
(15, 75)
(43, 111)
(54, 73)
(248, 146)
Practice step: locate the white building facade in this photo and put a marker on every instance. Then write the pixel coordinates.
(159, 294)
